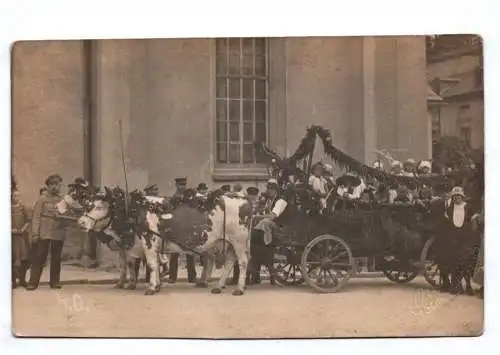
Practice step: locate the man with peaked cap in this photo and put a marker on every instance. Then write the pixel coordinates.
(180, 197)
(45, 231)
(225, 188)
(180, 187)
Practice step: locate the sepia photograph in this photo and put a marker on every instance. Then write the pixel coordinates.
(248, 187)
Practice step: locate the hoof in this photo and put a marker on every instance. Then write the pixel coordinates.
(216, 291)
(131, 286)
(201, 284)
(149, 292)
(120, 285)
(237, 293)
(470, 292)
(157, 288)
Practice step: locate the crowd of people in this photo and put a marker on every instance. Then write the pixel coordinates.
(36, 234)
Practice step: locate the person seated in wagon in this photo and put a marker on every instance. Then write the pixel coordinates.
(349, 189)
(319, 183)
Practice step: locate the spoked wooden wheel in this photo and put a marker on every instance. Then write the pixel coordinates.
(286, 263)
(401, 276)
(429, 264)
(327, 263)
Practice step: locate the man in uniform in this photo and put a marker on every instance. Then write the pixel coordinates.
(47, 233)
(178, 198)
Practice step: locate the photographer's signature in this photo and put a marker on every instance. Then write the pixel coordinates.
(429, 301)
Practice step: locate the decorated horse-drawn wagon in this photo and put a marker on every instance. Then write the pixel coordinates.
(321, 248)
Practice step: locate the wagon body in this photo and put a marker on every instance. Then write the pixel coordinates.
(322, 250)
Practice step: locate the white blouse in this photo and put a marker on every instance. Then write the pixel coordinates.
(459, 215)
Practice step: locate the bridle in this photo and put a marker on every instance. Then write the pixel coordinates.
(97, 220)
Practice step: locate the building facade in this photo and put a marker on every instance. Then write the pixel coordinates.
(455, 72)
(193, 107)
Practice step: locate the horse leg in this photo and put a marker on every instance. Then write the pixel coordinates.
(147, 276)
(123, 269)
(228, 266)
(133, 266)
(151, 252)
(242, 259)
(208, 264)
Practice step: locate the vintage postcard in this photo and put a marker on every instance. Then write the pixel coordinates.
(294, 187)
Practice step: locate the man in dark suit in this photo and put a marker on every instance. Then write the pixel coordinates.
(177, 199)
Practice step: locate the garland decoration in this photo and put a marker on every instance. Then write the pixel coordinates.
(349, 163)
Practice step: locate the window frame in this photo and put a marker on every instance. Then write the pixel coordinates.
(239, 171)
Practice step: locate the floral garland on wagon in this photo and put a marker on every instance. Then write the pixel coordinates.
(345, 161)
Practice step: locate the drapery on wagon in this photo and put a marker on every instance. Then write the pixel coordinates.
(322, 250)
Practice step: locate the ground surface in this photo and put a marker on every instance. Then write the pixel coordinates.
(364, 308)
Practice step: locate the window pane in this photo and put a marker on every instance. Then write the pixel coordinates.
(234, 64)
(221, 131)
(220, 45)
(247, 46)
(221, 110)
(234, 131)
(248, 150)
(248, 132)
(234, 88)
(247, 65)
(260, 132)
(221, 153)
(260, 89)
(234, 153)
(260, 66)
(247, 89)
(221, 88)
(221, 65)
(234, 110)
(247, 110)
(260, 111)
(234, 46)
(260, 46)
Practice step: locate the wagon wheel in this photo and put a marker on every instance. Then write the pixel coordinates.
(286, 262)
(400, 276)
(327, 263)
(429, 265)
